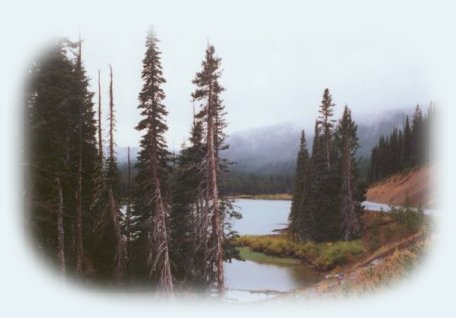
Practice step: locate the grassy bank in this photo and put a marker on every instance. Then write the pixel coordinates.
(382, 269)
(248, 254)
(381, 231)
(277, 196)
(322, 256)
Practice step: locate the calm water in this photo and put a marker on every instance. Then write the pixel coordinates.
(262, 216)
(248, 280)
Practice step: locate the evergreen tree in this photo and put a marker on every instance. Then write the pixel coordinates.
(326, 124)
(406, 145)
(186, 207)
(417, 140)
(207, 94)
(82, 158)
(300, 191)
(325, 176)
(151, 203)
(350, 207)
(50, 85)
(62, 148)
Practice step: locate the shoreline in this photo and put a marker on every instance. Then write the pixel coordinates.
(276, 196)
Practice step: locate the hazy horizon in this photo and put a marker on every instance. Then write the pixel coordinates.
(272, 72)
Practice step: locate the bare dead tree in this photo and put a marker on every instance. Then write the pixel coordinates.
(100, 135)
(111, 116)
(119, 269)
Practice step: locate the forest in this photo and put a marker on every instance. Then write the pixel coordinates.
(330, 178)
(163, 220)
(405, 148)
(170, 229)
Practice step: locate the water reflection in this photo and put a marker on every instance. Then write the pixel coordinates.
(253, 276)
(250, 281)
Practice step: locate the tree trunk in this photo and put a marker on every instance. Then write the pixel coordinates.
(79, 239)
(119, 269)
(60, 231)
(213, 192)
(128, 212)
(160, 253)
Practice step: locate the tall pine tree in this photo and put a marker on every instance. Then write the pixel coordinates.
(299, 222)
(325, 175)
(151, 205)
(62, 156)
(350, 205)
(207, 94)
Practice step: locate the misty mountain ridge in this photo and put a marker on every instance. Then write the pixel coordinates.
(273, 149)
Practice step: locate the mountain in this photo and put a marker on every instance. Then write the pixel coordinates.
(272, 149)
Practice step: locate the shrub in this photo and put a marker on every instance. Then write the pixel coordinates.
(338, 253)
(409, 220)
(374, 235)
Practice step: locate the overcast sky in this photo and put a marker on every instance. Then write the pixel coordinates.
(276, 60)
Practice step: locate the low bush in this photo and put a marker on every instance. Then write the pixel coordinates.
(409, 220)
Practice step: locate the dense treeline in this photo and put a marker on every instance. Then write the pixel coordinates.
(405, 148)
(239, 182)
(64, 174)
(327, 192)
(172, 227)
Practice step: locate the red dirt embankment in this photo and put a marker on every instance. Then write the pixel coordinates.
(413, 186)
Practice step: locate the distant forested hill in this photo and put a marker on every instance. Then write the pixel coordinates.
(263, 159)
(273, 149)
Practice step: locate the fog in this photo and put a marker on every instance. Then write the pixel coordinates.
(273, 148)
(276, 60)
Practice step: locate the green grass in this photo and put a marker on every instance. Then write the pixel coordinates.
(323, 256)
(247, 253)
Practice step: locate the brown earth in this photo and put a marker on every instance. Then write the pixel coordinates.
(412, 186)
(389, 265)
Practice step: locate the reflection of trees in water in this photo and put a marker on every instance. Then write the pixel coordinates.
(250, 275)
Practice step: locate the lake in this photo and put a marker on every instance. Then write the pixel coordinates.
(261, 216)
(248, 280)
